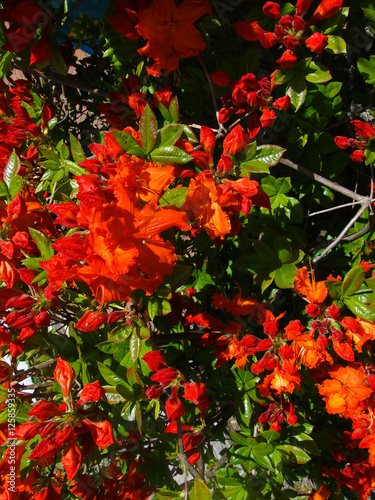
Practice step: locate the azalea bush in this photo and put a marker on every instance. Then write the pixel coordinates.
(187, 295)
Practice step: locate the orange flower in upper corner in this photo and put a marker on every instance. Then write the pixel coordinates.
(169, 31)
(314, 291)
(346, 389)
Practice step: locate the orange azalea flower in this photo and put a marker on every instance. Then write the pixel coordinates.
(170, 32)
(346, 389)
(238, 306)
(142, 181)
(321, 494)
(313, 291)
(203, 201)
(359, 331)
(283, 379)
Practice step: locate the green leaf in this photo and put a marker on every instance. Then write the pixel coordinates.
(42, 242)
(370, 152)
(12, 168)
(266, 156)
(3, 189)
(57, 59)
(370, 282)
(367, 69)
(262, 460)
(297, 91)
(199, 491)
(73, 168)
(148, 129)
(129, 143)
(369, 12)
(135, 346)
(334, 288)
(174, 110)
(158, 306)
(336, 45)
(170, 134)
(332, 89)
(76, 148)
(179, 276)
(353, 281)
(317, 72)
(165, 113)
(263, 448)
(168, 495)
(246, 410)
(284, 276)
(294, 453)
(169, 155)
(362, 306)
(175, 197)
(15, 186)
(110, 376)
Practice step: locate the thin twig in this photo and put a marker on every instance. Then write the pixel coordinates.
(218, 466)
(342, 234)
(370, 200)
(182, 455)
(184, 459)
(77, 4)
(326, 182)
(38, 367)
(208, 77)
(67, 81)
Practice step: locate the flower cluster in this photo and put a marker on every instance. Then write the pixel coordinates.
(290, 29)
(363, 132)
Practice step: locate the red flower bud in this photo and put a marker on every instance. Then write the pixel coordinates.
(64, 376)
(155, 360)
(272, 9)
(91, 321)
(173, 406)
(317, 42)
(92, 392)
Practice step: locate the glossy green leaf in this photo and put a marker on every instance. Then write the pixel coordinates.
(336, 45)
(76, 148)
(12, 168)
(135, 346)
(170, 155)
(175, 197)
(73, 168)
(362, 306)
(165, 113)
(3, 189)
(110, 376)
(42, 242)
(129, 143)
(353, 281)
(297, 91)
(266, 156)
(294, 453)
(148, 128)
(263, 449)
(170, 134)
(15, 186)
(174, 109)
(318, 73)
